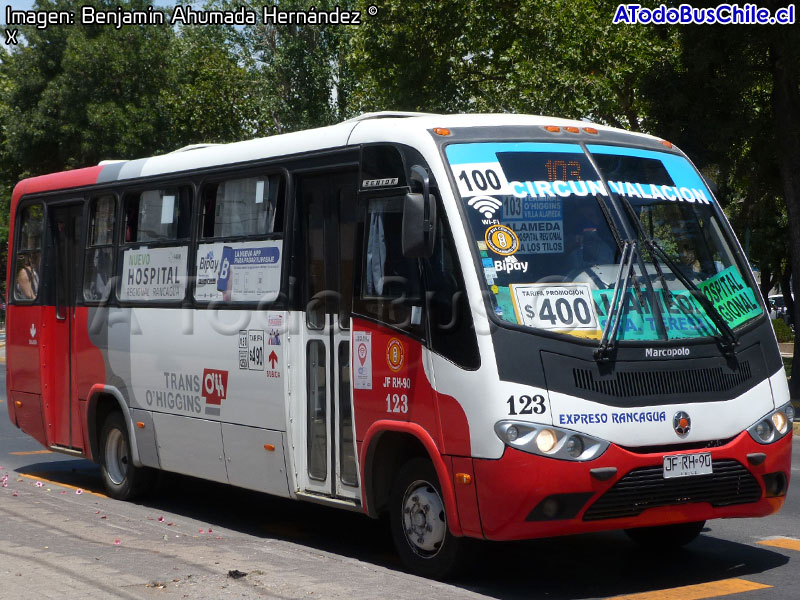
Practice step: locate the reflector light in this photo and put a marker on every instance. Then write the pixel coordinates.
(552, 128)
(666, 143)
(571, 129)
(441, 131)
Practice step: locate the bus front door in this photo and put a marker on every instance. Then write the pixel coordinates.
(325, 459)
(63, 416)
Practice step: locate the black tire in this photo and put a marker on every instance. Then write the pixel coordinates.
(121, 478)
(666, 537)
(419, 523)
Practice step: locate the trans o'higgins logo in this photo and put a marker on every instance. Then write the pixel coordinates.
(666, 352)
(215, 388)
(185, 392)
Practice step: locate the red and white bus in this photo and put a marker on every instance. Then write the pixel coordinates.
(488, 326)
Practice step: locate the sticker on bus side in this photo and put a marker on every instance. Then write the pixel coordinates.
(154, 274)
(239, 272)
(362, 360)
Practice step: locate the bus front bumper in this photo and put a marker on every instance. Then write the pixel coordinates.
(524, 496)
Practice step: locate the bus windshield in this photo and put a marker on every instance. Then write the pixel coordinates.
(549, 240)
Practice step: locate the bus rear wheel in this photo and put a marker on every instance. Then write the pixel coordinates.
(122, 479)
(419, 522)
(666, 537)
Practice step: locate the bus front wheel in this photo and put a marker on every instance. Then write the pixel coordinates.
(419, 522)
(122, 479)
(666, 537)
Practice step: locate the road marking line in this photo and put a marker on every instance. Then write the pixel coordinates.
(29, 452)
(66, 485)
(785, 543)
(711, 589)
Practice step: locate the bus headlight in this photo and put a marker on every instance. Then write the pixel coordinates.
(546, 441)
(549, 441)
(773, 426)
(574, 446)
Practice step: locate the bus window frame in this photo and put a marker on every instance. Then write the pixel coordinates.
(188, 242)
(284, 235)
(111, 294)
(360, 302)
(22, 206)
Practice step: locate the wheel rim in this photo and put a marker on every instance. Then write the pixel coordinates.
(116, 457)
(424, 521)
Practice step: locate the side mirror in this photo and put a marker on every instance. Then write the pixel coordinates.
(418, 229)
(419, 218)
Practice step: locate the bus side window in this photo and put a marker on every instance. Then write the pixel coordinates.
(153, 254)
(29, 254)
(391, 286)
(99, 251)
(157, 216)
(243, 207)
(450, 326)
(240, 215)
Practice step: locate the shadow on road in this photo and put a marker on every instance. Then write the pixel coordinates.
(585, 566)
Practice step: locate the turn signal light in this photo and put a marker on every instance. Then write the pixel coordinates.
(140, 424)
(463, 478)
(441, 131)
(18, 404)
(269, 447)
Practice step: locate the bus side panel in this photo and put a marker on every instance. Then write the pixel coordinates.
(23, 332)
(389, 381)
(28, 414)
(91, 366)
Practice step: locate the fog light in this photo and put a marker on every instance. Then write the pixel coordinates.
(574, 446)
(550, 508)
(762, 430)
(546, 440)
(780, 422)
(512, 433)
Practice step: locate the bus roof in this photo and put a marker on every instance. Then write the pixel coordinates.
(370, 127)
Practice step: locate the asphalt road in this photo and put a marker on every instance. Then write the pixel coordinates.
(64, 539)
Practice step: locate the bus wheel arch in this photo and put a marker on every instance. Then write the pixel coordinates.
(387, 447)
(102, 402)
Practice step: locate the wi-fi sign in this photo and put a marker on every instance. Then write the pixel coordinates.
(485, 205)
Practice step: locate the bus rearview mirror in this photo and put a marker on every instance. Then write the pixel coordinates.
(419, 225)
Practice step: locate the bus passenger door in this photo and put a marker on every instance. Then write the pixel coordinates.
(325, 460)
(63, 416)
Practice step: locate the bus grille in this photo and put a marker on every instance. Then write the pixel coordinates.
(730, 483)
(658, 383)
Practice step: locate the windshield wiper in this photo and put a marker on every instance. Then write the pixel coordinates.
(602, 353)
(729, 339)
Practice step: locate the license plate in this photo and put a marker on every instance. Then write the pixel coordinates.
(687, 465)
